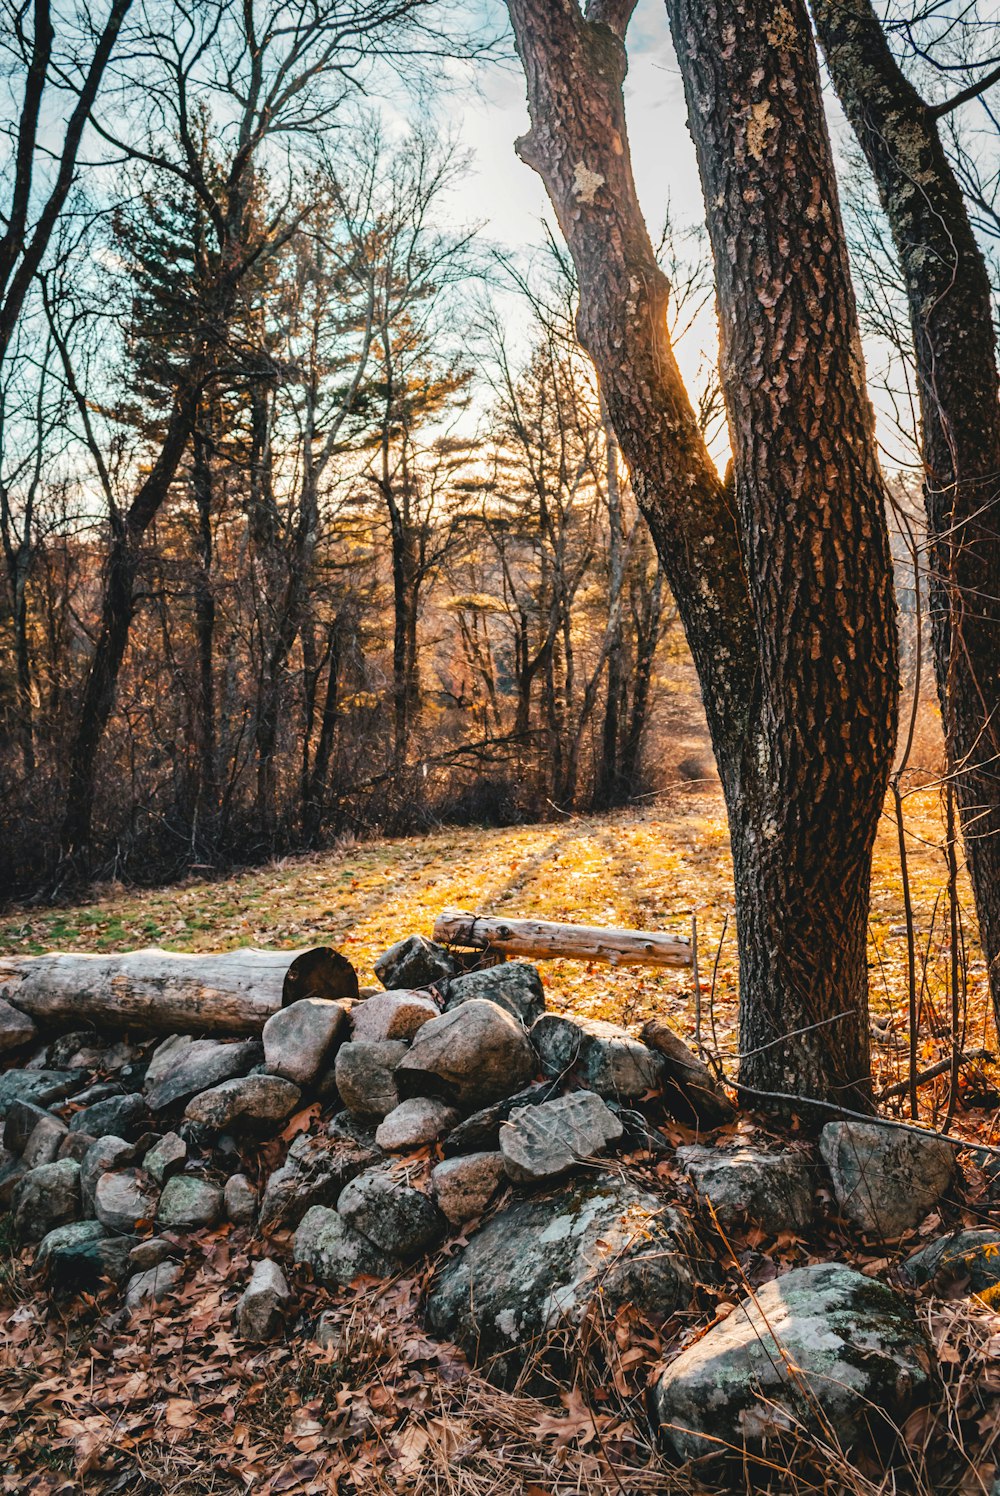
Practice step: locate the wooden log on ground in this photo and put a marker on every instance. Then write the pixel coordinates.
(234, 992)
(544, 938)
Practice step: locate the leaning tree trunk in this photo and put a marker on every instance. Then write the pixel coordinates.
(951, 318)
(784, 587)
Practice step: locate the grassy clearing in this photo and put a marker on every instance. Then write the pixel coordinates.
(648, 868)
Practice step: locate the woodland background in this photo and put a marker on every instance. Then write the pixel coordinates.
(396, 576)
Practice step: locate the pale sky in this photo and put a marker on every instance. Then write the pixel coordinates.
(510, 201)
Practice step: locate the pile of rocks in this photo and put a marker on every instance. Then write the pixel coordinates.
(452, 1101)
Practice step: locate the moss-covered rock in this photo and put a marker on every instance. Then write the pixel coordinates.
(543, 1263)
(823, 1349)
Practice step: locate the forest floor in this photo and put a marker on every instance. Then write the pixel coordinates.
(179, 1407)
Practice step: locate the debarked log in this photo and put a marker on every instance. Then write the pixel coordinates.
(545, 938)
(234, 992)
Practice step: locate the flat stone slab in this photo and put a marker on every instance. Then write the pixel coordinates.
(540, 1265)
(542, 1142)
(858, 1352)
(42, 1087)
(182, 1067)
(255, 1105)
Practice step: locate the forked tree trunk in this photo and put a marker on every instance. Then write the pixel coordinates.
(784, 586)
(951, 319)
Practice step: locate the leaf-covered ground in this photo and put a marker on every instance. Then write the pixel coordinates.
(172, 1403)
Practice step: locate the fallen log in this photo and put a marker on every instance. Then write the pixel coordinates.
(545, 938)
(168, 991)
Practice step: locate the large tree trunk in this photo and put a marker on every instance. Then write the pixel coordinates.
(951, 317)
(784, 587)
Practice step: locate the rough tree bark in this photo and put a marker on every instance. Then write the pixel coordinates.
(951, 318)
(783, 585)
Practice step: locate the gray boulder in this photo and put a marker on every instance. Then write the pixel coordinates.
(366, 1075)
(746, 1185)
(12, 1171)
(166, 1157)
(885, 1179)
(42, 1087)
(471, 1056)
(46, 1197)
(45, 1141)
(539, 1266)
(464, 1186)
(104, 1156)
(402, 1221)
(16, 1028)
(240, 1200)
(336, 1253)
(22, 1119)
(183, 1067)
(154, 1284)
(602, 1056)
(299, 1040)
(512, 985)
(542, 1142)
(125, 1200)
(189, 1203)
(964, 1262)
(79, 1257)
(392, 1015)
(75, 1145)
(252, 1105)
(414, 962)
(260, 1312)
(314, 1173)
(413, 1123)
(480, 1132)
(120, 1116)
(821, 1339)
(150, 1253)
